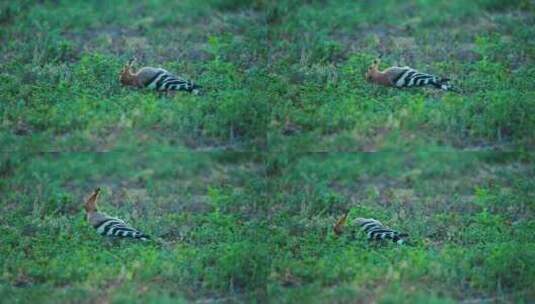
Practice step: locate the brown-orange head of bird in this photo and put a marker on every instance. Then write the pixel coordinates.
(338, 227)
(127, 75)
(91, 203)
(373, 69)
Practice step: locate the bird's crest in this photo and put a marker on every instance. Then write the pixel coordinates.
(373, 68)
(91, 202)
(338, 227)
(375, 63)
(126, 76)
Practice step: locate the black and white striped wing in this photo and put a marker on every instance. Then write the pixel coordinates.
(118, 228)
(412, 78)
(375, 230)
(165, 81)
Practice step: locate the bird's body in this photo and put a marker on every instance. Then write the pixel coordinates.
(404, 77)
(375, 230)
(156, 79)
(106, 225)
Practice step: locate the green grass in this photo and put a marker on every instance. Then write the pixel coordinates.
(243, 209)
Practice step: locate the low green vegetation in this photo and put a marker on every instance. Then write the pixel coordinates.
(263, 64)
(265, 235)
(241, 185)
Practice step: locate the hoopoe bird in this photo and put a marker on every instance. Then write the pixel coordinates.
(404, 77)
(375, 230)
(106, 225)
(155, 78)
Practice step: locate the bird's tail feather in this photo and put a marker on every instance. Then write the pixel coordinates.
(443, 84)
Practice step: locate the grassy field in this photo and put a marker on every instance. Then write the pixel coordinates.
(242, 184)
